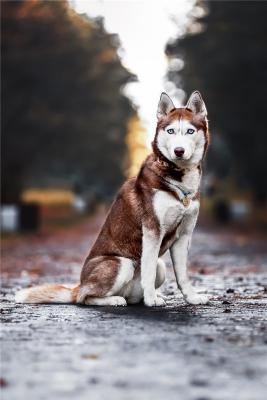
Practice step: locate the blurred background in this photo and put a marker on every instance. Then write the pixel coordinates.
(81, 81)
(80, 86)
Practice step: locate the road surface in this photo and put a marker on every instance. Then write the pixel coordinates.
(212, 352)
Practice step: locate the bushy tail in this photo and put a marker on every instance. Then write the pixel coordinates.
(48, 293)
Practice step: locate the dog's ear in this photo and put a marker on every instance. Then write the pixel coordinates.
(165, 105)
(196, 104)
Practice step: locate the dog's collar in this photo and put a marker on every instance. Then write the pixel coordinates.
(183, 193)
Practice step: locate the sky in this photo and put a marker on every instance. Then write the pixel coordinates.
(144, 27)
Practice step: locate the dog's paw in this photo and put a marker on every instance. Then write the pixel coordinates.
(162, 296)
(154, 301)
(117, 301)
(105, 301)
(196, 298)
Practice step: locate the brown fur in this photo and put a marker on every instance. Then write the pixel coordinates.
(98, 276)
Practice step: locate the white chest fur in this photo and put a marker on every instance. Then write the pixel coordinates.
(191, 179)
(171, 211)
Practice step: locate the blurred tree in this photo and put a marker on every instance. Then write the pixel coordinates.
(227, 61)
(63, 111)
(136, 142)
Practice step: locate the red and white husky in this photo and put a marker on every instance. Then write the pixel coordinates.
(152, 213)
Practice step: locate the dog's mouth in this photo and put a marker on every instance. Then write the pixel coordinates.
(182, 157)
(182, 160)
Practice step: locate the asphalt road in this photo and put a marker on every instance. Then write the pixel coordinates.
(213, 352)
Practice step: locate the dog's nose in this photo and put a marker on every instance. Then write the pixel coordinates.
(179, 151)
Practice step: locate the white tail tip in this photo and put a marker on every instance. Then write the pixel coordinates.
(21, 296)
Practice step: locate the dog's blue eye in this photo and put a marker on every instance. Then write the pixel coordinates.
(170, 131)
(190, 131)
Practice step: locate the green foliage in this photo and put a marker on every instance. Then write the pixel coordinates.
(227, 62)
(64, 115)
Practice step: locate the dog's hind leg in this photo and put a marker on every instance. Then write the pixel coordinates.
(105, 301)
(160, 277)
(160, 274)
(103, 280)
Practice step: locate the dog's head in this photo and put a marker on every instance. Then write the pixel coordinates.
(182, 133)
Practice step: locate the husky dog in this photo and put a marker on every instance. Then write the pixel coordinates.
(152, 213)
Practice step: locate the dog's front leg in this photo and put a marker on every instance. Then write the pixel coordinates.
(179, 253)
(149, 259)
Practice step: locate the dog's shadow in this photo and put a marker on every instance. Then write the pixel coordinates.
(178, 314)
